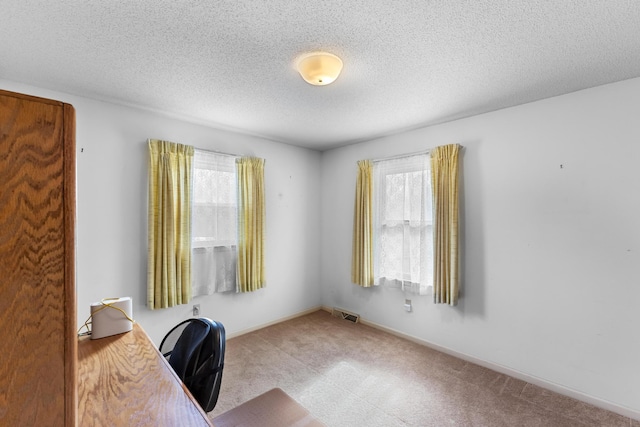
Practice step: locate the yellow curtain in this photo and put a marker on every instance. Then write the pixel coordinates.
(169, 211)
(362, 249)
(251, 224)
(444, 182)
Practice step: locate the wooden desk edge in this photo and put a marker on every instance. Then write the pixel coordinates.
(186, 390)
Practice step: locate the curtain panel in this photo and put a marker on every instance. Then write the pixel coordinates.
(403, 238)
(362, 247)
(251, 224)
(169, 224)
(444, 181)
(214, 270)
(214, 228)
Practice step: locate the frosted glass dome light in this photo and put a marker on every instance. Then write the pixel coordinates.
(319, 68)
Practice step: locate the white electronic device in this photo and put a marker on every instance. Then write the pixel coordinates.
(111, 316)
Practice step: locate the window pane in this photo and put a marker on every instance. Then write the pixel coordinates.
(214, 225)
(211, 186)
(394, 197)
(403, 240)
(215, 200)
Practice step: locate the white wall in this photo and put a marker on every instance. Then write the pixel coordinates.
(112, 216)
(551, 241)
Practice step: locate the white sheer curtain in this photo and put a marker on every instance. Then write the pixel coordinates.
(403, 235)
(214, 223)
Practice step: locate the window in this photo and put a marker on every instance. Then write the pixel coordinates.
(403, 225)
(214, 226)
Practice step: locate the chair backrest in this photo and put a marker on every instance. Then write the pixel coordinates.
(195, 350)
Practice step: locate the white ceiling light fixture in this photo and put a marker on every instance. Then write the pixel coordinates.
(319, 68)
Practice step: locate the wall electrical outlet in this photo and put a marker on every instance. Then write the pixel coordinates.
(407, 305)
(196, 310)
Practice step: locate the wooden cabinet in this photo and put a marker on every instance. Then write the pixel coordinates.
(38, 342)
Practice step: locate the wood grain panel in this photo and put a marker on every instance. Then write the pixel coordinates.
(124, 381)
(32, 262)
(70, 304)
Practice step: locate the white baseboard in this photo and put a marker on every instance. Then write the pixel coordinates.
(273, 322)
(557, 388)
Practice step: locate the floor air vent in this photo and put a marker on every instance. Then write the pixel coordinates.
(352, 317)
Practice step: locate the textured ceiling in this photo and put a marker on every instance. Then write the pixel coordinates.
(407, 63)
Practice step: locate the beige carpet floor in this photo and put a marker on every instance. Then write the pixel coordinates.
(354, 375)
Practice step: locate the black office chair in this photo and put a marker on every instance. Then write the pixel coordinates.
(195, 350)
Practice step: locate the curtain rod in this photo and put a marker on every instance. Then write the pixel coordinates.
(217, 152)
(237, 156)
(400, 156)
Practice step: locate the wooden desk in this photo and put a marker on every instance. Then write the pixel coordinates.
(123, 380)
